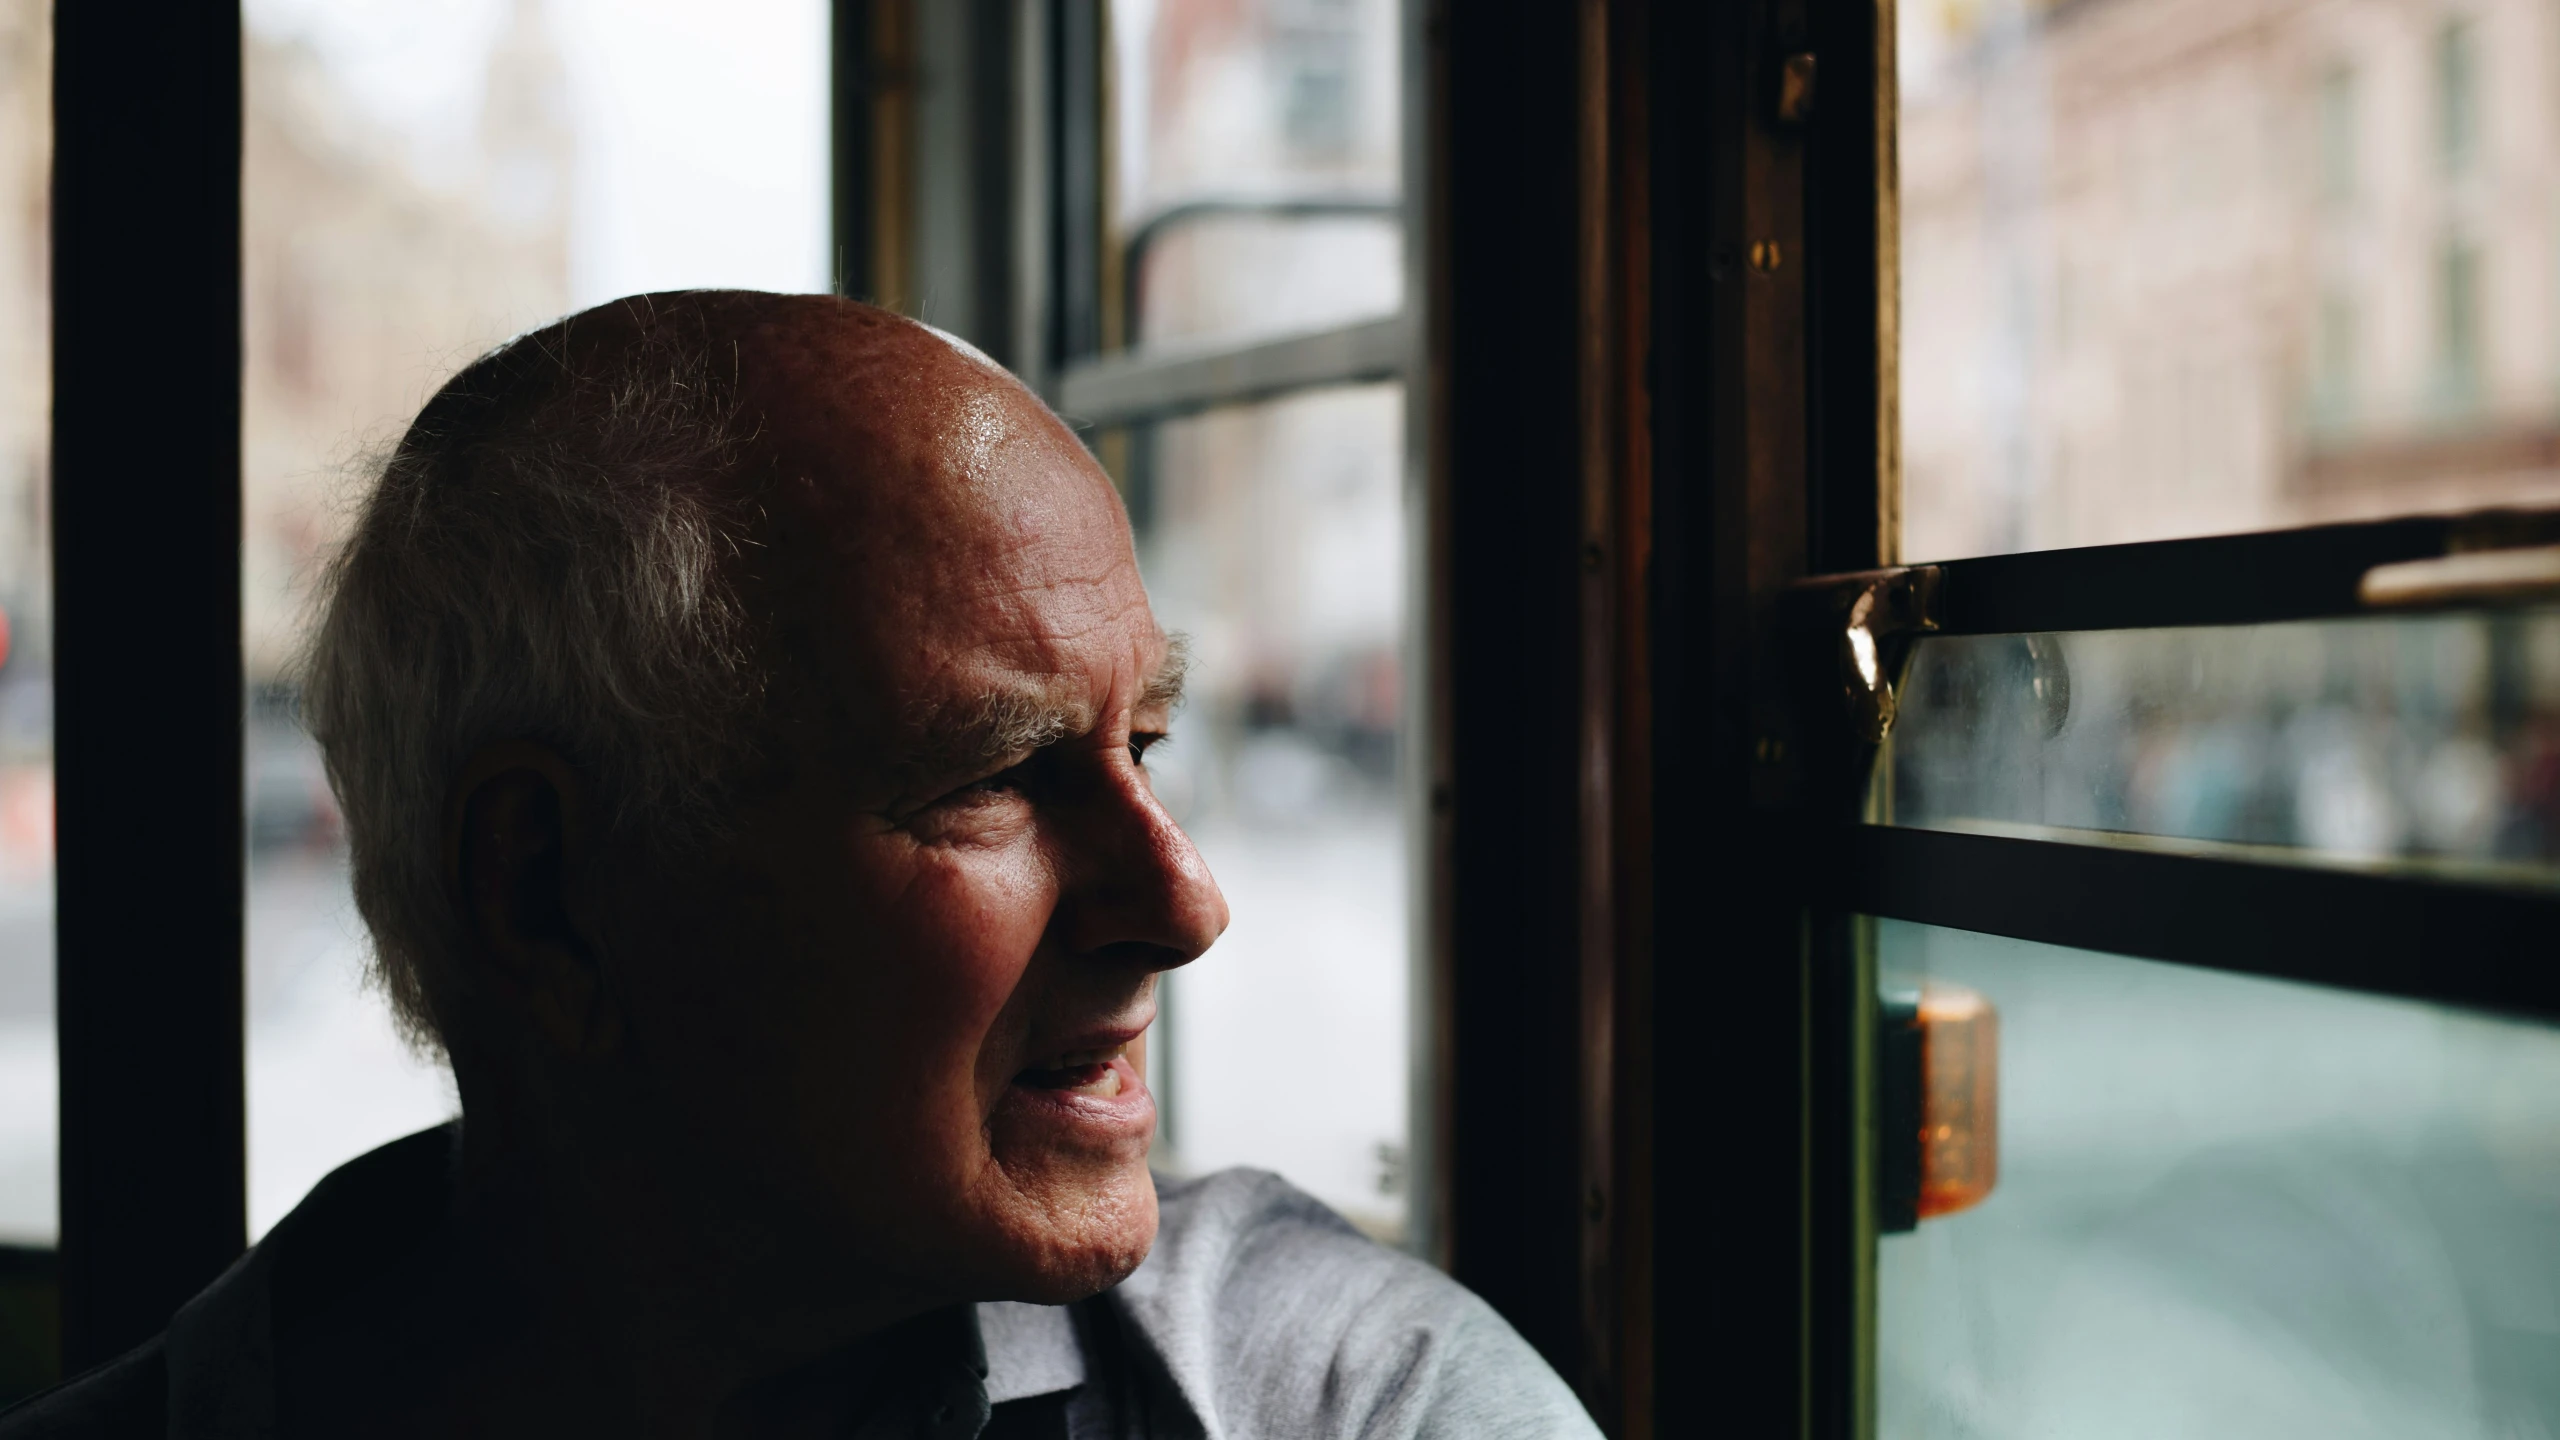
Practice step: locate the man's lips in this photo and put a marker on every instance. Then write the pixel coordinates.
(1087, 1084)
(1078, 1059)
(1088, 1071)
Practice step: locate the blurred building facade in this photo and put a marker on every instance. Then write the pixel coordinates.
(367, 277)
(2181, 266)
(26, 399)
(344, 341)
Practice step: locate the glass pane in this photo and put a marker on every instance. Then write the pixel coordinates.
(27, 1080)
(1274, 536)
(2232, 1207)
(1256, 138)
(1309, 273)
(422, 181)
(2424, 739)
(2163, 276)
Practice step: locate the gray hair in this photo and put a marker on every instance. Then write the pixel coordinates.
(547, 555)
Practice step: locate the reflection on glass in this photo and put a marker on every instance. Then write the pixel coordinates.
(1255, 140)
(2415, 737)
(26, 633)
(2232, 1208)
(2174, 268)
(419, 183)
(1273, 535)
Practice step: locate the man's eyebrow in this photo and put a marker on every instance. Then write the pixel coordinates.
(978, 737)
(982, 735)
(1164, 688)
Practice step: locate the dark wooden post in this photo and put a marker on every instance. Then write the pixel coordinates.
(147, 710)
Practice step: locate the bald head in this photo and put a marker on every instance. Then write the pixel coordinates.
(631, 535)
(838, 397)
(868, 446)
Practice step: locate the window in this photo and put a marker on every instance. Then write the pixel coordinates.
(2427, 738)
(2457, 79)
(2229, 319)
(2231, 1206)
(1254, 420)
(1274, 536)
(2241, 815)
(419, 185)
(2333, 384)
(2458, 317)
(1257, 139)
(27, 1077)
(2338, 136)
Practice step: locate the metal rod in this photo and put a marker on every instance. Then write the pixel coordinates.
(1125, 389)
(2419, 937)
(2306, 574)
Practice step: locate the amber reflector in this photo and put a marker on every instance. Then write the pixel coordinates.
(1959, 1099)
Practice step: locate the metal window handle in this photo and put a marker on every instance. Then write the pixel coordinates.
(1874, 614)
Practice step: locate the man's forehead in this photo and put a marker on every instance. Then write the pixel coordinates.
(883, 415)
(1148, 669)
(936, 504)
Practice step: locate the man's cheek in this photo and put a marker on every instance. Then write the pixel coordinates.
(965, 925)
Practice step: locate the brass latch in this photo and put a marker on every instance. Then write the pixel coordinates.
(1874, 614)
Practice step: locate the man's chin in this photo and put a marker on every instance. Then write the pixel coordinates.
(1076, 1237)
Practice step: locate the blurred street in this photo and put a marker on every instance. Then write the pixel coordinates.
(1288, 1037)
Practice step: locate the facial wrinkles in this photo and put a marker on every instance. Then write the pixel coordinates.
(992, 714)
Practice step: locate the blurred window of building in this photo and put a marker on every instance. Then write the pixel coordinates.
(27, 1078)
(2457, 94)
(421, 182)
(1255, 174)
(2458, 323)
(2338, 135)
(2333, 391)
(2301, 252)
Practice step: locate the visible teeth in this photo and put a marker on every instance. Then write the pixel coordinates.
(1074, 1059)
(1107, 1086)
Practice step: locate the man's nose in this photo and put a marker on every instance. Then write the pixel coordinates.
(1134, 885)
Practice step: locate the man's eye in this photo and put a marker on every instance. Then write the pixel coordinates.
(1142, 742)
(1003, 782)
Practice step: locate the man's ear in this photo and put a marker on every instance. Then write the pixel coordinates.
(518, 843)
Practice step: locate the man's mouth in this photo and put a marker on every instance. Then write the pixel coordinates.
(1079, 1072)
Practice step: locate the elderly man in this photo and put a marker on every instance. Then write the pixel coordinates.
(740, 706)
